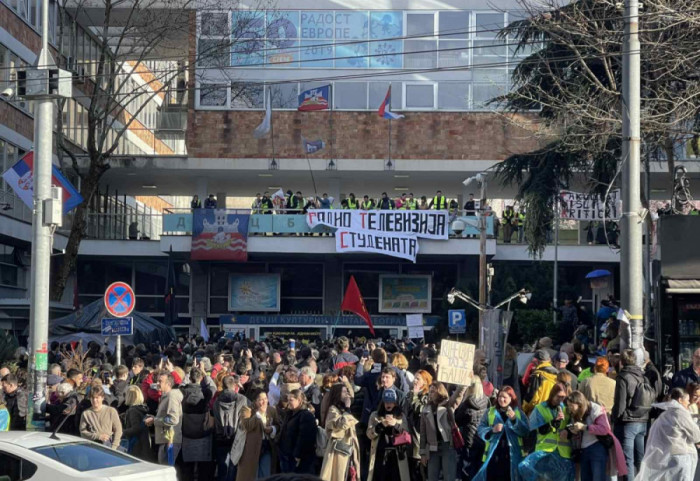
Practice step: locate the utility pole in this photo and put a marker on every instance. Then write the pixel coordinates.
(42, 83)
(555, 280)
(482, 261)
(631, 258)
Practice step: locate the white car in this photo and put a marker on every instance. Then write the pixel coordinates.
(34, 456)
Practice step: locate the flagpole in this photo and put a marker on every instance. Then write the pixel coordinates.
(311, 172)
(389, 162)
(331, 118)
(272, 125)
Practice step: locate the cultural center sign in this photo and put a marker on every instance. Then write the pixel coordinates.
(390, 232)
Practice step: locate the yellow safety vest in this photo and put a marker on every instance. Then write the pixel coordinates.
(352, 204)
(367, 205)
(492, 418)
(410, 204)
(550, 442)
(439, 203)
(521, 219)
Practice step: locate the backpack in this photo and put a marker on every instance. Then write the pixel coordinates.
(644, 396)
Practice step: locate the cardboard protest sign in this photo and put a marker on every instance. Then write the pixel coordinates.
(455, 362)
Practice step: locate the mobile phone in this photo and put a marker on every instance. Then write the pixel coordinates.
(164, 358)
(365, 353)
(292, 344)
(154, 386)
(198, 357)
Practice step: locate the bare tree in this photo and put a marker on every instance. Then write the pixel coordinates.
(573, 78)
(130, 34)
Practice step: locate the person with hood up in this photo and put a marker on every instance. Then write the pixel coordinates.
(341, 461)
(388, 431)
(502, 454)
(541, 381)
(226, 413)
(135, 433)
(197, 426)
(468, 416)
(671, 452)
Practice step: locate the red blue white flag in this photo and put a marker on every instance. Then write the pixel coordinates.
(385, 109)
(315, 99)
(21, 178)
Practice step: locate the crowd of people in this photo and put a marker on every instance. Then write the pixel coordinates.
(342, 409)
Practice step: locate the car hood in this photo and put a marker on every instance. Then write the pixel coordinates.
(141, 471)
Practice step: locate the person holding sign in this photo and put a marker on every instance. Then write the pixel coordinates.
(551, 459)
(503, 454)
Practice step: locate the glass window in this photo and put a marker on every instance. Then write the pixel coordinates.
(33, 14)
(482, 93)
(453, 95)
(377, 93)
(420, 24)
(488, 24)
(214, 24)
(386, 24)
(316, 53)
(489, 52)
(246, 95)
(86, 456)
(150, 277)
(350, 95)
(248, 52)
(213, 53)
(284, 96)
(386, 54)
(213, 95)
(317, 24)
(349, 28)
(300, 280)
(420, 96)
(8, 275)
(426, 56)
(454, 53)
(454, 25)
(492, 75)
(283, 54)
(249, 25)
(14, 468)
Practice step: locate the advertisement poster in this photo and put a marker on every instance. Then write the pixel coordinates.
(254, 292)
(408, 294)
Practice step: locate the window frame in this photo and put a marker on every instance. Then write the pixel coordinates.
(407, 84)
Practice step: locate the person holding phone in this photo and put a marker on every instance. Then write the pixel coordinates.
(551, 459)
(502, 454)
(391, 444)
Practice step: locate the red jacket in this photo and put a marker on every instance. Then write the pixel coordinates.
(215, 370)
(154, 394)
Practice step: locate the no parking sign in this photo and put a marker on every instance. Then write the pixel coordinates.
(119, 299)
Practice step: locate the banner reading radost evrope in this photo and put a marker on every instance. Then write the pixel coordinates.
(425, 224)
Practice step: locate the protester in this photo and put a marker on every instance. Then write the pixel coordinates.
(135, 433)
(341, 461)
(226, 412)
(541, 381)
(261, 425)
(100, 423)
(690, 374)
(197, 427)
(298, 436)
(15, 401)
(416, 400)
(168, 420)
(391, 444)
(502, 454)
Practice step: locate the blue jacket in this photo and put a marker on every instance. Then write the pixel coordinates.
(514, 430)
(684, 377)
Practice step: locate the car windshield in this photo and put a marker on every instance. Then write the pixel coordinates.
(85, 456)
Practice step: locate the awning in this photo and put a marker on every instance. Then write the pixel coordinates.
(682, 286)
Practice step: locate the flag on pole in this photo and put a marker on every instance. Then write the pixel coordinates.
(264, 128)
(203, 331)
(170, 316)
(312, 146)
(21, 178)
(385, 109)
(314, 99)
(354, 303)
(279, 194)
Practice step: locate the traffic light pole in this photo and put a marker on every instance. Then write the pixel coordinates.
(41, 243)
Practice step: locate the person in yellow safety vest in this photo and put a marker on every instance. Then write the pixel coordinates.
(520, 219)
(385, 203)
(508, 223)
(353, 203)
(502, 455)
(551, 459)
(410, 203)
(439, 202)
(367, 203)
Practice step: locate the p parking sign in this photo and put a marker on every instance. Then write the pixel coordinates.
(457, 321)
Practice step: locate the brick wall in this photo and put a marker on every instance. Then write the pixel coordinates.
(362, 135)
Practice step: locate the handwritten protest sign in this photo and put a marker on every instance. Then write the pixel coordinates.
(455, 362)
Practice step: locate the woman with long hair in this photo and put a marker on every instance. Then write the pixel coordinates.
(416, 400)
(341, 461)
(510, 370)
(297, 446)
(503, 454)
(388, 430)
(436, 424)
(591, 433)
(138, 440)
(551, 459)
(261, 425)
(468, 416)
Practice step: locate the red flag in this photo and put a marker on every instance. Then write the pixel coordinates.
(354, 303)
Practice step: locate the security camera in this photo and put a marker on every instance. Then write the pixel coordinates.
(458, 226)
(7, 93)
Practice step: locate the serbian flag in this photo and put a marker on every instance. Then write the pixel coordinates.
(385, 108)
(354, 303)
(21, 178)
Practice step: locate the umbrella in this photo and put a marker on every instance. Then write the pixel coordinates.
(598, 273)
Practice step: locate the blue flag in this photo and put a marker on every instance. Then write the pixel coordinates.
(312, 146)
(315, 99)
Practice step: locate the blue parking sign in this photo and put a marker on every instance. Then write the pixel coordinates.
(457, 321)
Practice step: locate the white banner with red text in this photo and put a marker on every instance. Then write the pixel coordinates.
(396, 245)
(426, 224)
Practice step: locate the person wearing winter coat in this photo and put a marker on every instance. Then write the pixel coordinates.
(135, 433)
(389, 452)
(468, 416)
(226, 413)
(261, 425)
(168, 420)
(541, 381)
(415, 402)
(197, 427)
(502, 454)
(297, 446)
(341, 461)
(66, 407)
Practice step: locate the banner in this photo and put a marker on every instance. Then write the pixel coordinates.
(414, 323)
(404, 293)
(496, 327)
(579, 206)
(426, 224)
(455, 362)
(396, 245)
(254, 292)
(218, 235)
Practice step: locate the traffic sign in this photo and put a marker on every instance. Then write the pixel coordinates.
(457, 321)
(119, 299)
(121, 326)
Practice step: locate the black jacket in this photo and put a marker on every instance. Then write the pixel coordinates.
(298, 436)
(68, 407)
(119, 389)
(134, 428)
(468, 416)
(194, 412)
(654, 377)
(626, 384)
(17, 407)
